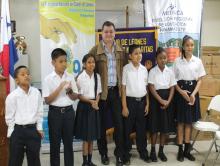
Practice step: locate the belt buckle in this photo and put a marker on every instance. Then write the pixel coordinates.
(62, 110)
(190, 83)
(24, 126)
(138, 99)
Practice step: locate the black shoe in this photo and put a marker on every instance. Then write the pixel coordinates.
(119, 161)
(180, 156)
(162, 156)
(105, 159)
(126, 159)
(189, 156)
(91, 164)
(145, 157)
(153, 156)
(127, 162)
(85, 164)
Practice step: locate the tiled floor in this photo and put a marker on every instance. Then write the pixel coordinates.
(170, 151)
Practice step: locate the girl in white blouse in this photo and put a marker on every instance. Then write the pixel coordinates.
(189, 71)
(87, 127)
(161, 84)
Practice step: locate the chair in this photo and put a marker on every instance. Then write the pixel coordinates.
(217, 137)
(207, 126)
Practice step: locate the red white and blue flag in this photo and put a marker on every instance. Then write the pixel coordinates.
(8, 52)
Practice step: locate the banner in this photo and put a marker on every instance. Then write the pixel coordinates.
(70, 25)
(175, 18)
(145, 37)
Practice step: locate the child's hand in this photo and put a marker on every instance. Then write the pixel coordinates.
(146, 110)
(185, 95)
(125, 112)
(62, 84)
(164, 103)
(41, 133)
(68, 85)
(94, 104)
(192, 100)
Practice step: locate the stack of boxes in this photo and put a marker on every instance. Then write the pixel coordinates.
(210, 84)
(211, 61)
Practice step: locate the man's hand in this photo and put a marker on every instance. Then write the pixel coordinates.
(41, 133)
(146, 110)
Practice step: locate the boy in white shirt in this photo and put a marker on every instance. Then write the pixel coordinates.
(24, 116)
(134, 98)
(59, 91)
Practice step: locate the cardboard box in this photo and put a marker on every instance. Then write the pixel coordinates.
(211, 63)
(210, 49)
(210, 86)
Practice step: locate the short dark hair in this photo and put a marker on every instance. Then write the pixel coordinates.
(132, 48)
(160, 50)
(18, 69)
(86, 57)
(57, 52)
(108, 24)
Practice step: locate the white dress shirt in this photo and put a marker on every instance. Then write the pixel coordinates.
(86, 85)
(52, 82)
(188, 70)
(23, 108)
(135, 80)
(161, 79)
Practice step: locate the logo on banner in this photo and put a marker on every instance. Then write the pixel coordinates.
(172, 10)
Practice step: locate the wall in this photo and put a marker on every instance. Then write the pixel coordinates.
(211, 23)
(25, 12)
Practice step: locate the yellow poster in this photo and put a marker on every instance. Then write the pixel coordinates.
(68, 24)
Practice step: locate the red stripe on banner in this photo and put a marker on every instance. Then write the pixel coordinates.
(5, 65)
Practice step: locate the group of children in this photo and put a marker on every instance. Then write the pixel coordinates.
(173, 96)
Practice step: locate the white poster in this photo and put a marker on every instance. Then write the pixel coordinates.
(175, 19)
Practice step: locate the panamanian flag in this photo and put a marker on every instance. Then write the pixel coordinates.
(8, 52)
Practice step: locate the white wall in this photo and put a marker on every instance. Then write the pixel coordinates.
(211, 23)
(26, 15)
(25, 12)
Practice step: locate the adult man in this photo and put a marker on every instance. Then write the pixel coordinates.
(110, 59)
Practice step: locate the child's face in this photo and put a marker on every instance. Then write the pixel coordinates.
(23, 77)
(90, 64)
(136, 56)
(188, 46)
(108, 34)
(162, 59)
(60, 64)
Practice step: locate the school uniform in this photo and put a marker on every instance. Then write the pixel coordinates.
(135, 80)
(60, 118)
(187, 73)
(160, 120)
(24, 116)
(87, 124)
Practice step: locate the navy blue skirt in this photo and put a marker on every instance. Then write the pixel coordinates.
(87, 122)
(160, 120)
(186, 113)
